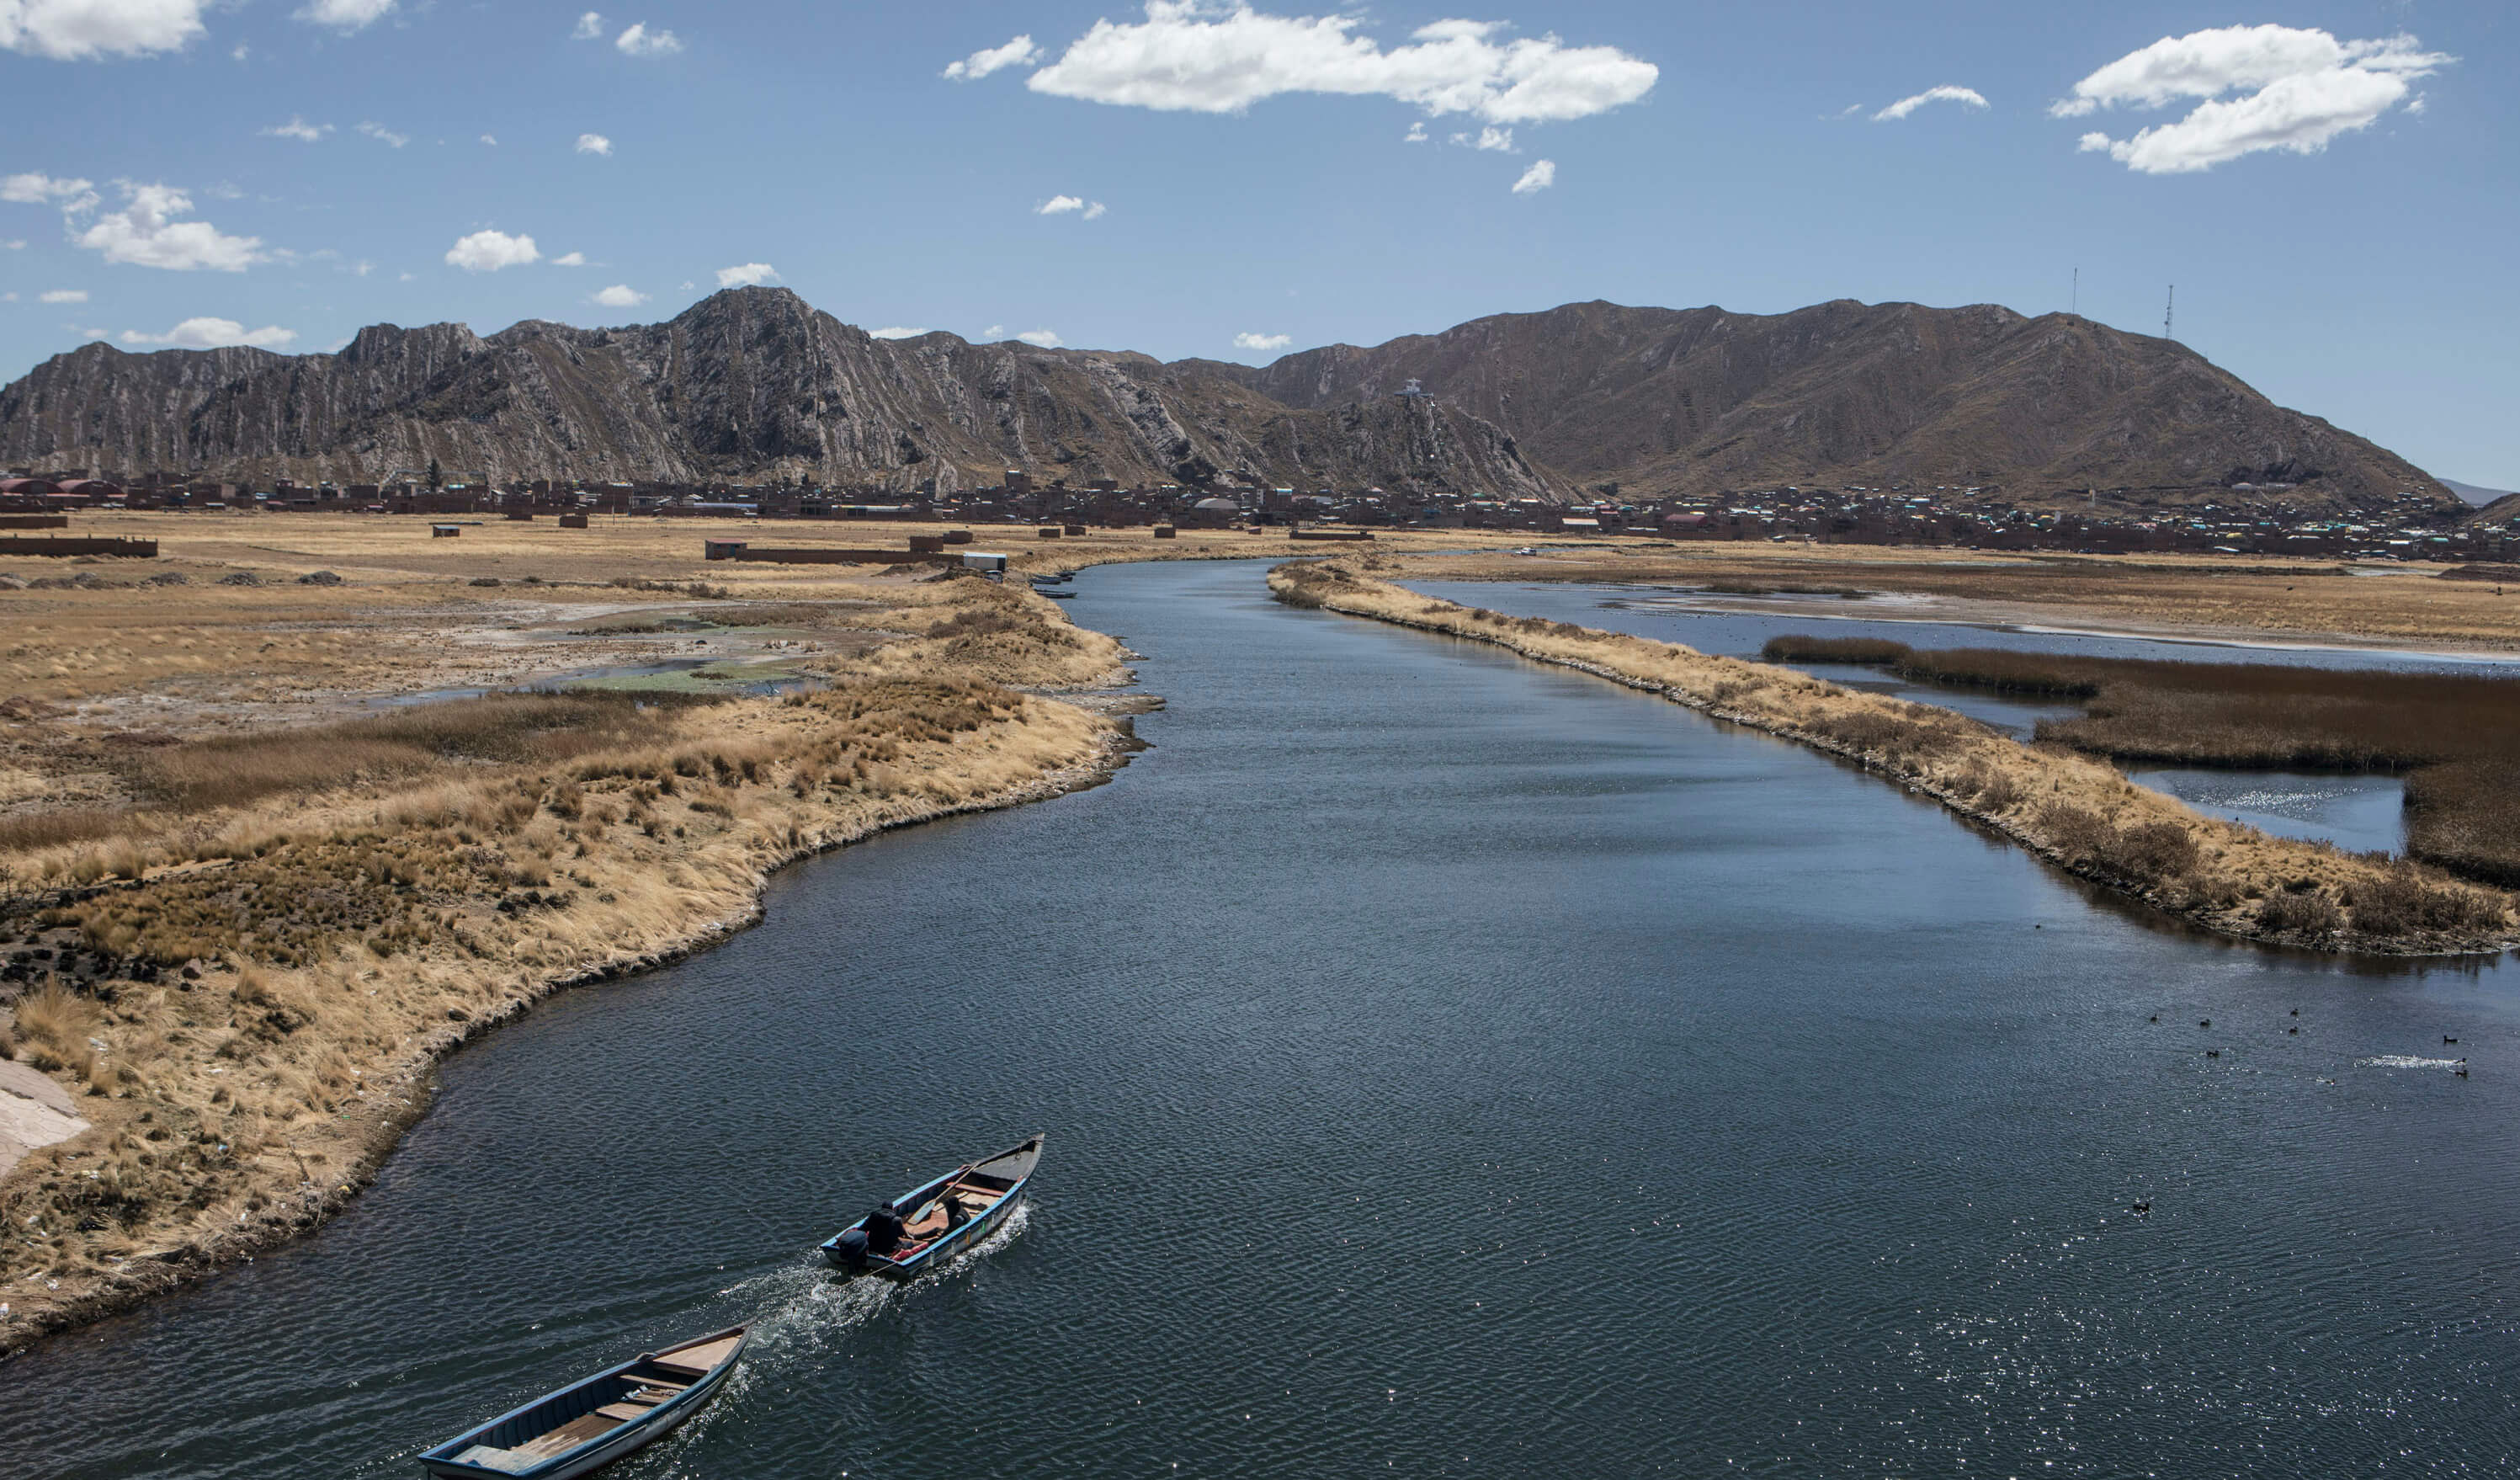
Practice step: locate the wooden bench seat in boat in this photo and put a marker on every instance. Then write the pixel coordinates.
(568, 1436)
(626, 1410)
(697, 1360)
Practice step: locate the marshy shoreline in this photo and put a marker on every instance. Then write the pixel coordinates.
(245, 971)
(401, 1090)
(2074, 813)
(942, 702)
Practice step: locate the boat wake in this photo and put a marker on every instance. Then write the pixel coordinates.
(803, 1314)
(2406, 1062)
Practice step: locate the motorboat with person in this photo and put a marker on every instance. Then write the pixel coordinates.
(925, 1227)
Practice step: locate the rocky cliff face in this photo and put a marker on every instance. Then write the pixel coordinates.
(752, 383)
(1701, 401)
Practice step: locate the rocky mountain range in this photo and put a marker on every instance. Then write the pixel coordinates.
(753, 384)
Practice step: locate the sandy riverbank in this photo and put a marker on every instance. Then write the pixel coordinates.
(2076, 812)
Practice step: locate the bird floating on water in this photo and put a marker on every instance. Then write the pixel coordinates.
(2140, 1208)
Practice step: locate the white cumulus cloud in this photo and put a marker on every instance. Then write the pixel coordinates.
(490, 139)
(2295, 90)
(1021, 52)
(594, 144)
(490, 250)
(1060, 205)
(639, 41)
(297, 128)
(14, 244)
(384, 135)
(213, 334)
(1262, 340)
(895, 332)
(346, 15)
(76, 30)
(44, 189)
(590, 27)
(63, 295)
(749, 275)
(1500, 140)
(1041, 337)
(1191, 54)
(570, 259)
(1542, 175)
(621, 295)
(1417, 133)
(146, 234)
(1942, 94)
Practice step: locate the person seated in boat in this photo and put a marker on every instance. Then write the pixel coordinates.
(883, 1229)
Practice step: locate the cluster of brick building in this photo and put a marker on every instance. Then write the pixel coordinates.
(2249, 523)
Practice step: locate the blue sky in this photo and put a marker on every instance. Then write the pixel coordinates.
(284, 171)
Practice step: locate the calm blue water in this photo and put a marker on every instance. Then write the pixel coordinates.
(1453, 1066)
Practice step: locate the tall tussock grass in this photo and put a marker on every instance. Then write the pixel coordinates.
(512, 729)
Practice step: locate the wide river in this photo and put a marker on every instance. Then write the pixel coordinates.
(1451, 1066)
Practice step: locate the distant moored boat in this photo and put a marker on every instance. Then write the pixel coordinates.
(936, 1220)
(593, 1422)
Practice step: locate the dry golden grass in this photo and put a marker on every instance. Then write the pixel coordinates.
(263, 938)
(2075, 811)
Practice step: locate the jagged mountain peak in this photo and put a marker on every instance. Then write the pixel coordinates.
(755, 380)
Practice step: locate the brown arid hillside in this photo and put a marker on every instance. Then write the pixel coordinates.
(750, 383)
(753, 384)
(1700, 402)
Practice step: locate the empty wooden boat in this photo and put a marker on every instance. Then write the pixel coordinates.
(593, 1422)
(929, 1225)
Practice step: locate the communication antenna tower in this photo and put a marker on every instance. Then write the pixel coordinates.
(2077, 309)
(2168, 309)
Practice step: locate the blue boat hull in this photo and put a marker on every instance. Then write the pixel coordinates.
(578, 1398)
(943, 1251)
(1017, 1163)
